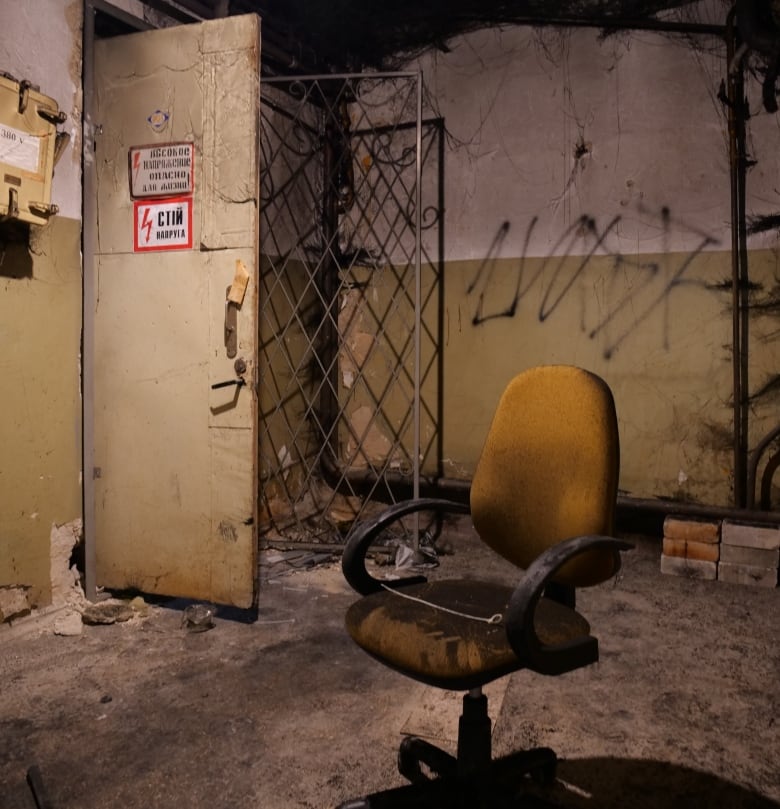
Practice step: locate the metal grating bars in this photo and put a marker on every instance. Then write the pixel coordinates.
(349, 307)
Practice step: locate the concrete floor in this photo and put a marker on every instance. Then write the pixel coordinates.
(681, 711)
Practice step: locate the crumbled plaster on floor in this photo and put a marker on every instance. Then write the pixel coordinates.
(70, 609)
(68, 623)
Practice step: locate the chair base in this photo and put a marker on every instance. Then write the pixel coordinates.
(472, 780)
(501, 785)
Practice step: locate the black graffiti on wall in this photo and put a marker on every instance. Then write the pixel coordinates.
(630, 292)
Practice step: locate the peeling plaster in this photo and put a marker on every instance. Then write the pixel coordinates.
(64, 578)
(14, 602)
(375, 446)
(455, 469)
(285, 459)
(353, 353)
(357, 340)
(279, 511)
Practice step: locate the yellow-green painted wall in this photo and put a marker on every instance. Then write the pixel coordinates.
(657, 328)
(40, 325)
(40, 428)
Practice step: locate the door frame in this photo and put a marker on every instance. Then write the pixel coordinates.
(88, 236)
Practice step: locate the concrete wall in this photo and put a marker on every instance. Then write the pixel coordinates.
(587, 221)
(40, 324)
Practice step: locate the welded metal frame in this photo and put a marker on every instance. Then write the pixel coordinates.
(371, 483)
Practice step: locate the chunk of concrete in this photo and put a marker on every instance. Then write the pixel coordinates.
(107, 612)
(69, 624)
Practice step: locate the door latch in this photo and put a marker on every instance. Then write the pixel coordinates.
(240, 367)
(231, 326)
(228, 382)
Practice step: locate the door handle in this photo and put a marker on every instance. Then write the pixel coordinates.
(231, 326)
(228, 382)
(240, 367)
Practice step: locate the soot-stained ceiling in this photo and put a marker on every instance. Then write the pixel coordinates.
(314, 36)
(353, 35)
(359, 34)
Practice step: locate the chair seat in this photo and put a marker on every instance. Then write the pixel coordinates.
(444, 649)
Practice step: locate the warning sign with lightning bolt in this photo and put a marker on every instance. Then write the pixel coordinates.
(162, 224)
(136, 168)
(161, 170)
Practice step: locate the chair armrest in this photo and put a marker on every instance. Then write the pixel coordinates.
(353, 561)
(521, 632)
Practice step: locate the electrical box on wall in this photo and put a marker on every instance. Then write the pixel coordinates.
(28, 141)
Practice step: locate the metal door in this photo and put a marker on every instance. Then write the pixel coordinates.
(170, 311)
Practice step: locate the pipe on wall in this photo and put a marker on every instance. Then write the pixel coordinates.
(630, 510)
(737, 113)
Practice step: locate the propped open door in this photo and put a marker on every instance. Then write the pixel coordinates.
(173, 303)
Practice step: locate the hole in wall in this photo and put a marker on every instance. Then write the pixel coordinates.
(15, 258)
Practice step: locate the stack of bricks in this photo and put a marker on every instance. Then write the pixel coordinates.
(691, 548)
(749, 554)
(729, 551)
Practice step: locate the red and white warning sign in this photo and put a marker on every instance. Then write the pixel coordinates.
(162, 224)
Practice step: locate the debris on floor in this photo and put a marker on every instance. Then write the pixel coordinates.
(276, 563)
(67, 618)
(198, 618)
(680, 712)
(112, 611)
(407, 558)
(68, 624)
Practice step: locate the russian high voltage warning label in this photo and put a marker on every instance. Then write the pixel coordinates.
(162, 225)
(165, 170)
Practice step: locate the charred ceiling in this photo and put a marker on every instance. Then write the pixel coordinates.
(353, 35)
(313, 36)
(369, 34)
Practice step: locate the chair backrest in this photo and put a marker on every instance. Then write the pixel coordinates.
(549, 470)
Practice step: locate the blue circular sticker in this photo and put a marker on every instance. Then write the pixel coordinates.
(158, 120)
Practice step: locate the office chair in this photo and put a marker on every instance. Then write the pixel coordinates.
(543, 496)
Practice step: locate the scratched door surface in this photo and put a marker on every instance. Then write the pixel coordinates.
(174, 457)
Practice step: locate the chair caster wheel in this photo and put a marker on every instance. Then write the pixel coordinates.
(408, 763)
(415, 752)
